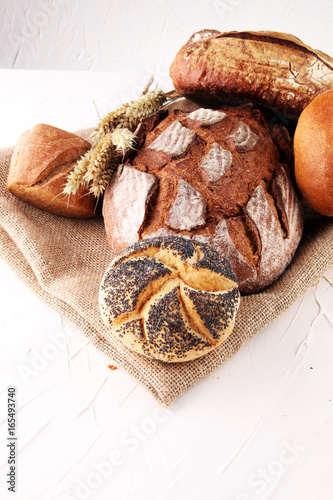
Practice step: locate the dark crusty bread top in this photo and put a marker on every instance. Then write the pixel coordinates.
(170, 298)
(40, 164)
(219, 176)
(239, 138)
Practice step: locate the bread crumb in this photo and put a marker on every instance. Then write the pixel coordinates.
(112, 367)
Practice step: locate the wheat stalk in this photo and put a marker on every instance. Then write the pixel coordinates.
(76, 177)
(129, 115)
(102, 176)
(123, 139)
(105, 158)
(114, 137)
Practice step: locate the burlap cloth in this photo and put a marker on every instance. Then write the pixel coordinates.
(63, 261)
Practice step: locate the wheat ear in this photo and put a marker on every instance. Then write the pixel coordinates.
(105, 158)
(114, 136)
(76, 177)
(129, 115)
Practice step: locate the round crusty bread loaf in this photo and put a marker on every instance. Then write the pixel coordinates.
(218, 176)
(313, 144)
(170, 298)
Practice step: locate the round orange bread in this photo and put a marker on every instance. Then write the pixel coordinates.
(170, 298)
(313, 146)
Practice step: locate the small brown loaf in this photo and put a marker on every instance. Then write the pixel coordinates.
(271, 69)
(41, 161)
(313, 144)
(218, 176)
(170, 298)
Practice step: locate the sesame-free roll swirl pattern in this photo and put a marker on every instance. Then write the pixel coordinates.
(170, 298)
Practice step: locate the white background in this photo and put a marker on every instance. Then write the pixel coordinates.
(259, 427)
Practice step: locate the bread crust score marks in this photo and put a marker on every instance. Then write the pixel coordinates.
(216, 162)
(224, 244)
(293, 212)
(217, 176)
(207, 116)
(174, 141)
(272, 69)
(245, 139)
(136, 188)
(188, 210)
(276, 248)
(170, 298)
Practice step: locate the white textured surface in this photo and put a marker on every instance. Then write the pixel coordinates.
(260, 427)
(121, 34)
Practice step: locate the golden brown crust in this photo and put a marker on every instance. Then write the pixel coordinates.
(271, 69)
(170, 298)
(313, 144)
(40, 164)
